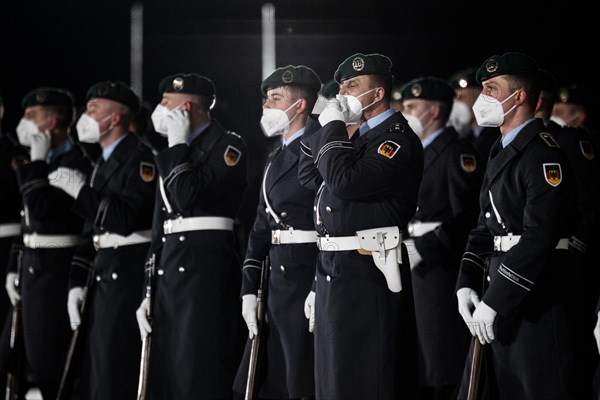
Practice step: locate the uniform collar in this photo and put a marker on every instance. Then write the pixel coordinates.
(376, 120)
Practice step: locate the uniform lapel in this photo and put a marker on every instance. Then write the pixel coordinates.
(107, 168)
(432, 152)
(282, 163)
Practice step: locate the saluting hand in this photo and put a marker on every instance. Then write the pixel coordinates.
(40, 146)
(178, 127)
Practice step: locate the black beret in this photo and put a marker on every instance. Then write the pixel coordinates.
(48, 96)
(292, 75)
(464, 78)
(363, 64)
(191, 83)
(506, 64)
(330, 89)
(428, 88)
(115, 91)
(574, 94)
(546, 81)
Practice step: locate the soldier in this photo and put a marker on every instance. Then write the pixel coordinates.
(519, 248)
(284, 230)
(118, 204)
(461, 117)
(361, 309)
(197, 332)
(447, 210)
(51, 232)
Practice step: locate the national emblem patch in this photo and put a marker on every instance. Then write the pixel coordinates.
(232, 156)
(587, 149)
(468, 162)
(388, 148)
(147, 171)
(553, 173)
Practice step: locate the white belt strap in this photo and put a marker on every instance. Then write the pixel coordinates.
(505, 243)
(338, 243)
(197, 224)
(418, 228)
(112, 240)
(293, 236)
(10, 230)
(37, 241)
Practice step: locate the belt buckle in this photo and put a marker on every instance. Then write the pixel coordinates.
(96, 240)
(276, 237)
(168, 226)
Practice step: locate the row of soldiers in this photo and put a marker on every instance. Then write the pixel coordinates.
(411, 222)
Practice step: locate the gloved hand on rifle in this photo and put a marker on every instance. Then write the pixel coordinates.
(11, 288)
(74, 301)
(468, 299)
(309, 310)
(414, 257)
(597, 332)
(483, 319)
(249, 312)
(141, 314)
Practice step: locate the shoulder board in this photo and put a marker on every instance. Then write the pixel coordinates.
(549, 139)
(398, 127)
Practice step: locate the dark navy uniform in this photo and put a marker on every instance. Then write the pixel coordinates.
(118, 201)
(197, 335)
(45, 269)
(448, 196)
(289, 345)
(533, 189)
(365, 335)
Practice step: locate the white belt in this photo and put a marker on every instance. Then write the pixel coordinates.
(197, 224)
(338, 243)
(505, 243)
(10, 230)
(418, 228)
(37, 241)
(292, 236)
(107, 240)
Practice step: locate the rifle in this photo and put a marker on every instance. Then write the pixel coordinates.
(74, 339)
(13, 375)
(145, 357)
(260, 317)
(476, 357)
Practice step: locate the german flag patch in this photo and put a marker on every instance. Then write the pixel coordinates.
(587, 149)
(147, 171)
(232, 156)
(388, 149)
(553, 174)
(468, 162)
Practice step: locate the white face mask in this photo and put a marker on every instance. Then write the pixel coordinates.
(275, 121)
(488, 110)
(88, 129)
(414, 123)
(159, 119)
(355, 106)
(460, 117)
(25, 129)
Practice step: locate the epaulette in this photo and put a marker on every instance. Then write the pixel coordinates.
(234, 134)
(549, 139)
(398, 127)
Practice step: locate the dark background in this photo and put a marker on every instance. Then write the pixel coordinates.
(76, 43)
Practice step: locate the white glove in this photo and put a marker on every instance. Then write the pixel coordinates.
(141, 314)
(249, 312)
(309, 310)
(331, 112)
(178, 127)
(11, 288)
(413, 254)
(69, 180)
(483, 317)
(74, 301)
(40, 146)
(597, 332)
(467, 300)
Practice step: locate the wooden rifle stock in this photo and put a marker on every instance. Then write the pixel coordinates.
(260, 317)
(146, 343)
(476, 357)
(13, 374)
(74, 340)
